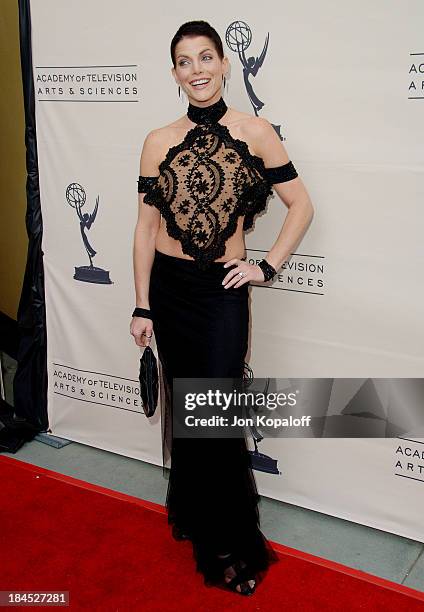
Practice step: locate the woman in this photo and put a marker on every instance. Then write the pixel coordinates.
(202, 180)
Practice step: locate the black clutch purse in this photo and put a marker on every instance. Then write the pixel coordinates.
(149, 379)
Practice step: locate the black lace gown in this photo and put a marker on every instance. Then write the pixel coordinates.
(201, 330)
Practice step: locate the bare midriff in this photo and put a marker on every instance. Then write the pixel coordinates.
(234, 247)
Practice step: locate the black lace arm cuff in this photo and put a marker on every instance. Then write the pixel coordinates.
(145, 183)
(281, 174)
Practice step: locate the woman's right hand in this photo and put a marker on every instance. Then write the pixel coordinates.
(141, 329)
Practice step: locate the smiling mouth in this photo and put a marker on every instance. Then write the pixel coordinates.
(200, 83)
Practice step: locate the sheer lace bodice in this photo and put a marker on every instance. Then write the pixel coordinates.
(205, 183)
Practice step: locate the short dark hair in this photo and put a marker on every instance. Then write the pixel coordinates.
(197, 28)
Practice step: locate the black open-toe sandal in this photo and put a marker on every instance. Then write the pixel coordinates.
(241, 577)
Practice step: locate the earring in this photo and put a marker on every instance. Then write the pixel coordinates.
(181, 95)
(225, 81)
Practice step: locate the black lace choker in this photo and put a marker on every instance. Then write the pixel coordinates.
(207, 114)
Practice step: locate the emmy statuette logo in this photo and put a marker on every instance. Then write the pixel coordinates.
(238, 38)
(259, 461)
(76, 197)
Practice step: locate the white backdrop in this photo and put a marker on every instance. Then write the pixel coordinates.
(342, 82)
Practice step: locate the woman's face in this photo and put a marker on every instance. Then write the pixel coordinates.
(196, 59)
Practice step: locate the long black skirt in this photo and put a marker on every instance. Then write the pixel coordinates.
(201, 330)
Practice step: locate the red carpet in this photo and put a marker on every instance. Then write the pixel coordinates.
(114, 552)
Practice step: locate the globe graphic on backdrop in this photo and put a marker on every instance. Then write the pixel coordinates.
(238, 35)
(75, 195)
(76, 198)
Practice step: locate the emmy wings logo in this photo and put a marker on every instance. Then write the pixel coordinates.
(238, 37)
(259, 461)
(76, 198)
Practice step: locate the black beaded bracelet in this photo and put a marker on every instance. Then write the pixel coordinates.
(267, 269)
(142, 312)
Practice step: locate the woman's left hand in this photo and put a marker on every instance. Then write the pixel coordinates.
(249, 272)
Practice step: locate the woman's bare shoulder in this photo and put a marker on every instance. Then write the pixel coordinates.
(156, 143)
(263, 139)
(162, 138)
(248, 127)
(248, 122)
(170, 129)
